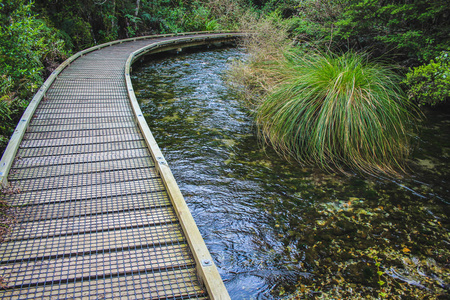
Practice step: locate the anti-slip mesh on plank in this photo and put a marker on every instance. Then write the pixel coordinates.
(81, 133)
(66, 106)
(86, 169)
(70, 180)
(66, 209)
(55, 142)
(72, 103)
(40, 161)
(79, 149)
(87, 192)
(149, 284)
(94, 220)
(80, 126)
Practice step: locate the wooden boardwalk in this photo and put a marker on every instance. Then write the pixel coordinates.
(99, 215)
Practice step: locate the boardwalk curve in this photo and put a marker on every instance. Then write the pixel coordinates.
(99, 214)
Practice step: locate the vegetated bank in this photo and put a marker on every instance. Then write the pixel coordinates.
(318, 94)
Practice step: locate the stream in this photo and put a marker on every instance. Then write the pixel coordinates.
(275, 227)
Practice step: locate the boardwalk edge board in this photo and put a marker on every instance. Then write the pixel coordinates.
(207, 272)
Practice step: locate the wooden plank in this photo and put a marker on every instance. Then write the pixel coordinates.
(59, 182)
(81, 133)
(94, 223)
(143, 285)
(97, 265)
(87, 99)
(116, 84)
(115, 114)
(15, 249)
(68, 209)
(69, 104)
(55, 142)
(41, 161)
(79, 169)
(81, 110)
(80, 120)
(58, 108)
(79, 127)
(86, 192)
(80, 149)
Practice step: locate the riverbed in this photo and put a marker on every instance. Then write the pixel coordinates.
(276, 228)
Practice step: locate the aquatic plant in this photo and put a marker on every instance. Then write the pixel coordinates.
(337, 111)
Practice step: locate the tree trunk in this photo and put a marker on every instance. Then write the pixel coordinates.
(136, 14)
(113, 15)
(137, 8)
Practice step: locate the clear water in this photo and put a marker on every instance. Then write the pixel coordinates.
(273, 226)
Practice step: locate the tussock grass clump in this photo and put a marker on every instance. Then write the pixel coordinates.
(337, 112)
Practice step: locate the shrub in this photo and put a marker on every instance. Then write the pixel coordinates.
(266, 43)
(316, 20)
(199, 18)
(413, 30)
(26, 44)
(338, 112)
(430, 83)
(186, 18)
(10, 113)
(227, 13)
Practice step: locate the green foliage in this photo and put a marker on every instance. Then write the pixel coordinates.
(429, 84)
(227, 13)
(170, 19)
(414, 29)
(85, 23)
(21, 44)
(10, 112)
(380, 282)
(199, 19)
(267, 43)
(185, 18)
(337, 112)
(269, 37)
(25, 44)
(315, 21)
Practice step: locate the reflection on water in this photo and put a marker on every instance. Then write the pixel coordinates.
(275, 227)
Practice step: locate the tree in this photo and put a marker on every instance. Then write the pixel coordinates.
(412, 29)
